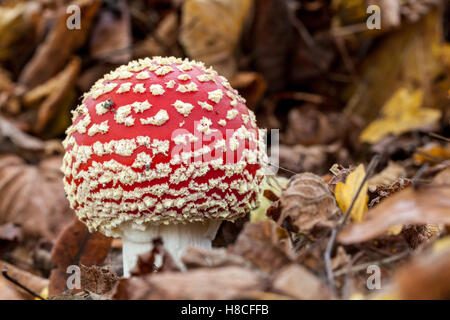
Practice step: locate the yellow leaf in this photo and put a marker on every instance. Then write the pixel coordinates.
(432, 153)
(43, 294)
(442, 244)
(259, 213)
(345, 192)
(401, 113)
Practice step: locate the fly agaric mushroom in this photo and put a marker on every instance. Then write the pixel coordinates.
(162, 147)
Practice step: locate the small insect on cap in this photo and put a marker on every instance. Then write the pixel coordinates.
(161, 140)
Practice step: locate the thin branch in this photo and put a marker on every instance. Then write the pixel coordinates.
(327, 256)
(438, 136)
(363, 266)
(17, 283)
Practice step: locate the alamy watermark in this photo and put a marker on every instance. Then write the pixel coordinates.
(374, 280)
(374, 20)
(73, 22)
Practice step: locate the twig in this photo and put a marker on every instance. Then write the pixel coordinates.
(327, 257)
(364, 266)
(17, 283)
(438, 136)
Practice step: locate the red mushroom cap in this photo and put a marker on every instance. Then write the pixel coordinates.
(161, 140)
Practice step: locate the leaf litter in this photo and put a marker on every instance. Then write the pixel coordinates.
(340, 95)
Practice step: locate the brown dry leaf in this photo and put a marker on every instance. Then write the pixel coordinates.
(309, 126)
(315, 158)
(214, 258)
(58, 93)
(198, 284)
(210, 31)
(307, 205)
(98, 280)
(164, 41)
(259, 243)
(8, 292)
(378, 193)
(251, 85)
(387, 176)
(429, 204)
(427, 277)
(59, 45)
(12, 139)
(10, 235)
(33, 196)
(9, 101)
(111, 36)
(299, 283)
(229, 231)
(75, 245)
(19, 27)
(29, 280)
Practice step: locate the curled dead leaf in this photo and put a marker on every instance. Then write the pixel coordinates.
(260, 244)
(33, 196)
(75, 245)
(306, 205)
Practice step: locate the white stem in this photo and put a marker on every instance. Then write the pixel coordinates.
(176, 239)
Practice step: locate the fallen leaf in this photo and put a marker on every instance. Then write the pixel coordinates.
(314, 158)
(164, 41)
(432, 153)
(346, 192)
(387, 176)
(75, 245)
(214, 258)
(259, 244)
(307, 205)
(52, 54)
(27, 279)
(251, 85)
(299, 283)
(10, 236)
(12, 139)
(111, 36)
(33, 196)
(20, 29)
(98, 280)
(229, 231)
(198, 284)
(59, 97)
(427, 204)
(401, 113)
(425, 278)
(272, 185)
(210, 31)
(403, 59)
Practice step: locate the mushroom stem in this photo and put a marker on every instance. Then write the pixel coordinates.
(176, 239)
